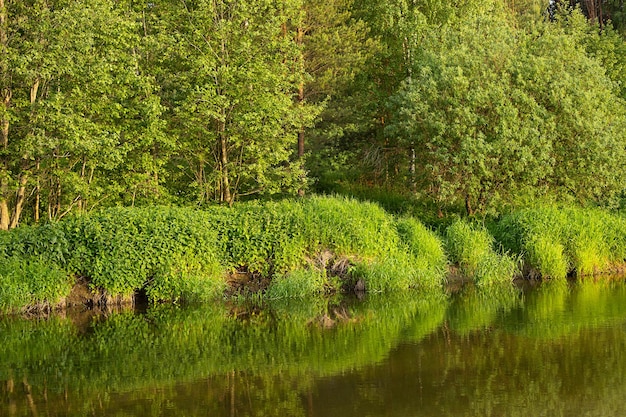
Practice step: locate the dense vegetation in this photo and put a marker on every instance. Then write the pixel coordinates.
(466, 103)
(129, 120)
(293, 248)
(296, 248)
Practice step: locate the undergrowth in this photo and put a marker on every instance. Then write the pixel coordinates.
(294, 249)
(188, 254)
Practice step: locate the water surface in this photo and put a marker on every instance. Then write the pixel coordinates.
(554, 350)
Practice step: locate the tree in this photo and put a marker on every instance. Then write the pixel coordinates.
(494, 112)
(230, 89)
(75, 106)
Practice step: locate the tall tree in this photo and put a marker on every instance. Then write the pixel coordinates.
(334, 48)
(231, 93)
(495, 113)
(77, 106)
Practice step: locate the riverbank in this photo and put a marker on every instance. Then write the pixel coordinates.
(291, 249)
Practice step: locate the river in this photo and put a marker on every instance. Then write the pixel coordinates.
(557, 349)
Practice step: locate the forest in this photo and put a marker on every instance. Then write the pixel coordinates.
(463, 106)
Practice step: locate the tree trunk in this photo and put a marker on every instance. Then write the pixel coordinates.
(301, 142)
(468, 206)
(19, 202)
(5, 88)
(300, 41)
(37, 198)
(412, 170)
(226, 194)
(232, 394)
(5, 217)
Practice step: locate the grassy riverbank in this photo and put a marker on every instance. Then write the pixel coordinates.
(287, 248)
(557, 242)
(291, 249)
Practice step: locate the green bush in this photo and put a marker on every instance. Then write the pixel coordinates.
(163, 250)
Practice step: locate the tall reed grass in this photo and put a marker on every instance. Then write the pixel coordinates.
(555, 242)
(471, 247)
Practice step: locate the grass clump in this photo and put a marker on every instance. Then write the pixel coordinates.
(471, 248)
(31, 282)
(555, 242)
(299, 283)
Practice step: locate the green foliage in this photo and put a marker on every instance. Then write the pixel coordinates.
(231, 97)
(31, 268)
(348, 227)
(187, 254)
(82, 121)
(31, 282)
(471, 248)
(547, 256)
(556, 241)
(490, 113)
(169, 252)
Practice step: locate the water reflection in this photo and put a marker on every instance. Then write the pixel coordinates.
(556, 350)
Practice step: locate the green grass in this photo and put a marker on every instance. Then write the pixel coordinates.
(555, 242)
(187, 254)
(300, 283)
(471, 248)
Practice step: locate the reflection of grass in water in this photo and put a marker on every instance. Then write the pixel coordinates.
(431, 312)
(556, 310)
(549, 301)
(166, 345)
(25, 343)
(478, 307)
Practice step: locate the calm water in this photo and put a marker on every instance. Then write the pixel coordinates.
(557, 350)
